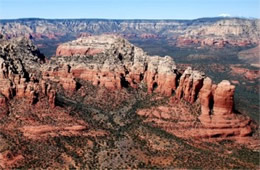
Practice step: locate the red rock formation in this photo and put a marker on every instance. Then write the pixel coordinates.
(189, 85)
(68, 83)
(206, 97)
(19, 71)
(217, 122)
(119, 64)
(3, 105)
(68, 51)
(220, 121)
(223, 98)
(216, 100)
(161, 75)
(6, 88)
(87, 46)
(183, 42)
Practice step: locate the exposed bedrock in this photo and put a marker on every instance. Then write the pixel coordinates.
(20, 74)
(112, 62)
(206, 97)
(116, 64)
(217, 99)
(218, 117)
(224, 98)
(120, 64)
(190, 84)
(212, 32)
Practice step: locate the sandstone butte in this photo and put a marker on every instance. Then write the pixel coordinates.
(114, 63)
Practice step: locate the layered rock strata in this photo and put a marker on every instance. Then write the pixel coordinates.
(190, 84)
(112, 62)
(116, 64)
(214, 32)
(20, 74)
(218, 117)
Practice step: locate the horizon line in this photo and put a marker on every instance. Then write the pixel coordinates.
(219, 17)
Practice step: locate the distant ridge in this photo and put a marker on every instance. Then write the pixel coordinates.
(217, 31)
(106, 19)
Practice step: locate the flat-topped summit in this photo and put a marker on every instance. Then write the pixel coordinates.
(102, 41)
(91, 45)
(110, 60)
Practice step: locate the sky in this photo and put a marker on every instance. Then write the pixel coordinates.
(128, 9)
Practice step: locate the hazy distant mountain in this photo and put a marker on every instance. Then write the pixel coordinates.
(203, 31)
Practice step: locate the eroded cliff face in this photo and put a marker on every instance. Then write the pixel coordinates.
(217, 111)
(214, 32)
(112, 62)
(93, 91)
(117, 64)
(20, 74)
(232, 32)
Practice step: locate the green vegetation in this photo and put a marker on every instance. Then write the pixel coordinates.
(130, 142)
(216, 66)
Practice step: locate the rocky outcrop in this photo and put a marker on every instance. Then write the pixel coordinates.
(189, 85)
(223, 98)
(64, 50)
(217, 115)
(119, 64)
(20, 75)
(161, 75)
(216, 121)
(206, 97)
(217, 99)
